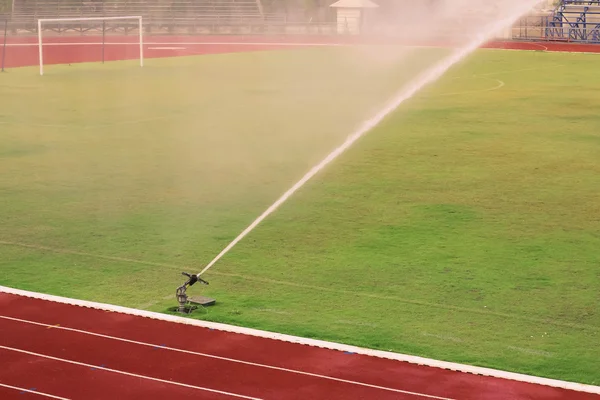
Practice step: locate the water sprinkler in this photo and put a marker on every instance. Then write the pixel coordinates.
(183, 299)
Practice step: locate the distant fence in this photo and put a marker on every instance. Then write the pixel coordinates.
(247, 17)
(175, 17)
(179, 25)
(204, 25)
(532, 27)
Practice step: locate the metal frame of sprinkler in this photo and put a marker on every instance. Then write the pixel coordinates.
(188, 304)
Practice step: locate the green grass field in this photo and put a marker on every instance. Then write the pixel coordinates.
(465, 228)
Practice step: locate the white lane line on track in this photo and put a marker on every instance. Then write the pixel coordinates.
(388, 355)
(127, 373)
(33, 392)
(314, 375)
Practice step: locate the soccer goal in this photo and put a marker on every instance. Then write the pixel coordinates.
(92, 24)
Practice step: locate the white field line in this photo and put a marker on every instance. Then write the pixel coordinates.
(499, 85)
(33, 392)
(92, 126)
(145, 120)
(303, 286)
(545, 48)
(127, 373)
(549, 51)
(233, 360)
(510, 71)
(312, 342)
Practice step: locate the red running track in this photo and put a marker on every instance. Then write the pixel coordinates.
(72, 352)
(23, 51)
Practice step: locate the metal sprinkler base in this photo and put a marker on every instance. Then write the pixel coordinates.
(189, 304)
(201, 300)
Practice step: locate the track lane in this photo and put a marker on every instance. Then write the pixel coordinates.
(70, 381)
(160, 363)
(8, 392)
(23, 51)
(360, 368)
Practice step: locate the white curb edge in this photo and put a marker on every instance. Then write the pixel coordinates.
(311, 342)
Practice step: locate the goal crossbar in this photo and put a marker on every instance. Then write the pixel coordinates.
(83, 19)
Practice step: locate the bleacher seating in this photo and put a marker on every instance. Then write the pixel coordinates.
(220, 8)
(169, 15)
(575, 20)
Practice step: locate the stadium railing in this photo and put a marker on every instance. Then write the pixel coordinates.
(178, 17)
(571, 21)
(578, 20)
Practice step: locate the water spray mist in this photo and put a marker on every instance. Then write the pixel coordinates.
(428, 77)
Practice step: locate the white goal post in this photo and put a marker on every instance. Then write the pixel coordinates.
(44, 20)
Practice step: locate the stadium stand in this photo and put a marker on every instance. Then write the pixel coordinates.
(570, 20)
(87, 8)
(158, 15)
(575, 21)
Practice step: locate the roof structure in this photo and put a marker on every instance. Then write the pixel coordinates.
(354, 4)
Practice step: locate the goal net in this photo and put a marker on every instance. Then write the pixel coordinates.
(66, 40)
